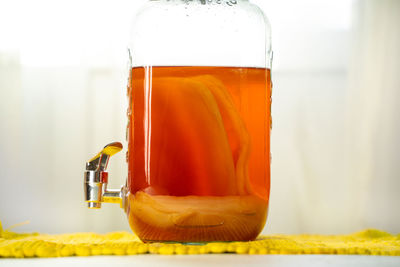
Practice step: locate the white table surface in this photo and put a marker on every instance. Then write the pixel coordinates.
(210, 261)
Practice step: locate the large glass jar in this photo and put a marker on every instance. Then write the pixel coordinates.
(199, 121)
(198, 124)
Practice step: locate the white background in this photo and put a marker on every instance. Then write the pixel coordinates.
(335, 132)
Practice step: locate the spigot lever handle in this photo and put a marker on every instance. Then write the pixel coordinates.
(100, 161)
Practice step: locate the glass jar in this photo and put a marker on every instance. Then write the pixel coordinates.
(198, 121)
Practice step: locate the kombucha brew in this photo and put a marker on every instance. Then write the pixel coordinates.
(198, 153)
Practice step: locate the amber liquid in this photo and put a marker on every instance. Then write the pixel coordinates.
(199, 153)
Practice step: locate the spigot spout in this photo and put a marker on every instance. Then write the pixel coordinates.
(94, 205)
(96, 179)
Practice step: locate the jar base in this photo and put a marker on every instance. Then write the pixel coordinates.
(196, 219)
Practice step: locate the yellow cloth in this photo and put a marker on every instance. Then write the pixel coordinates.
(368, 242)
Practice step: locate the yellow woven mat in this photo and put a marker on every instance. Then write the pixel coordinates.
(368, 242)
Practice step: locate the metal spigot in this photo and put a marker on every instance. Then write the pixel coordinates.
(96, 179)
